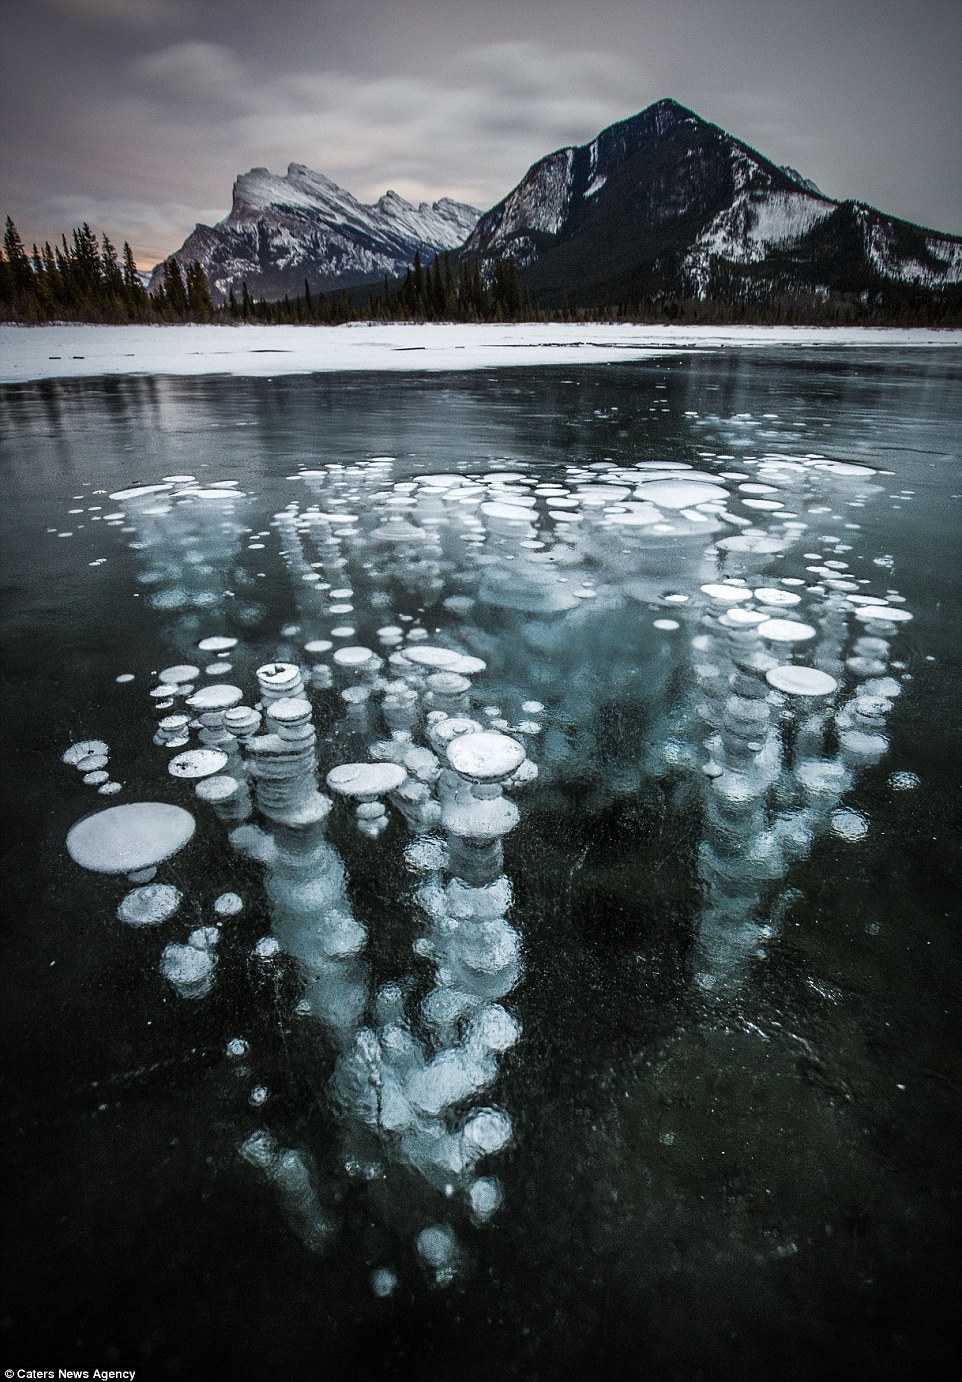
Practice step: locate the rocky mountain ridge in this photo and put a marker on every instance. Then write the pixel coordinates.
(283, 229)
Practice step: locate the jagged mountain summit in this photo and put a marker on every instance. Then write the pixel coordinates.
(665, 204)
(282, 230)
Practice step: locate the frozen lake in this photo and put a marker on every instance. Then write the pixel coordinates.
(606, 1021)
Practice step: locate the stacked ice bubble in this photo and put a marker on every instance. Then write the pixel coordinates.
(90, 757)
(443, 626)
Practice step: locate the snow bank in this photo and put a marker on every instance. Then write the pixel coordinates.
(45, 352)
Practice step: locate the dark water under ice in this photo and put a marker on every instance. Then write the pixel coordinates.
(730, 1121)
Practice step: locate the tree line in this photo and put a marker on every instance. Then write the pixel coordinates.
(85, 279)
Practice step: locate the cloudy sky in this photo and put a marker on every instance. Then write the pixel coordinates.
(136, 115)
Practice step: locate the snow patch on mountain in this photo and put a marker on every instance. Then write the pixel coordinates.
(888, 258)
(539, 203)
(744, 232)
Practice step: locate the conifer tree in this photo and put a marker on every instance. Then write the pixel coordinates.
(175, 290)
(21, 275)
(199, 304)
(418, 285)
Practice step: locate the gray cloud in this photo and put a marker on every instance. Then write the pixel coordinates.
(148, 109)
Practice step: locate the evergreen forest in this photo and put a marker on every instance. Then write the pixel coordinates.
(86, 279)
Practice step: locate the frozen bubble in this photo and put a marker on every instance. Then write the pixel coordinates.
(197, 763)
(220, 697)
(904, 782)
(495, 1028)
(228, 904)
(258, 1095)
(217, 789)
(436, 1246)
(383, 1282)
(772, 595)
(488, 1129)
(849, 825)
(486, 756)
(236, 1049)
(822, 777)
(150, 905)
(532, 707)
(444, 659)
(507, 513)
(260, 1150)
(78, 752)
(667, 624)
(737, 617)
(727, 594)
(365, 779)
(318, 646)
(95, 778)
(881, 614)
(179, 675)
(801, 681)
(426, 854)
(217, 645)
(485, 1197)
(139, 491)
(204, 937)
(267, 948)
(786, 631)
(354, 657)
(680, 493)
(124, 677)
(290, 710)
(122, 839)
(187, 968)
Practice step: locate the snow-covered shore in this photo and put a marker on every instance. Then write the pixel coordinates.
(75, 351)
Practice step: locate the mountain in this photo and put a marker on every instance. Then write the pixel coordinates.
(665, 204)
(283, 230)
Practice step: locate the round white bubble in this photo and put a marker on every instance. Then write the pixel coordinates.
(849, 825)
(801, 681)
(197, 763)
(904, 782)
(365, 779)
(486, 756)
(150, 905)
(786, 631)
(228, 904)
(122, 839)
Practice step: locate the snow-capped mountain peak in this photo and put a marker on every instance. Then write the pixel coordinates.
(284, 229)
(666, 204)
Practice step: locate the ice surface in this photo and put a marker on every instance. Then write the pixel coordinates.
(265, 350)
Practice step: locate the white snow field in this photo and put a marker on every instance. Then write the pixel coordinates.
(77, 351)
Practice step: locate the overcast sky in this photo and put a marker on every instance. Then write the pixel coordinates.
(137, 115)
